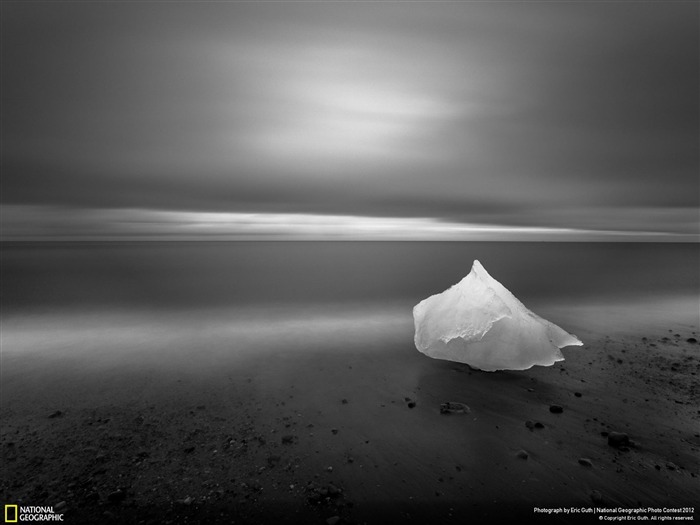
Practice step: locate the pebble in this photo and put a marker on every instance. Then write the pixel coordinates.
(596, 496)
(521, 454)
(585, 462)
(188, 500)
(333, 520)
(618, 439)
(454, 407)
(289, 439)
(556, 409)
(56, 414)
(116, 496)
(58, 507)
(692, 340)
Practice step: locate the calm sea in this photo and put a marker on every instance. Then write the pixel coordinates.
(47, 277)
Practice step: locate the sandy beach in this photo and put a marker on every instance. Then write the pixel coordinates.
(333, 417)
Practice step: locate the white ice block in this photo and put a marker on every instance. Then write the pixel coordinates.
(480, 323)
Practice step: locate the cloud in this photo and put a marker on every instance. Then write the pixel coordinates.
(50, 223)
(553, 115)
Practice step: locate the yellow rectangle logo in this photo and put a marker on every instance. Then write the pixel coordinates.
(10, 510)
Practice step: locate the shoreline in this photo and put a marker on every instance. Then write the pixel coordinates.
(155, 431)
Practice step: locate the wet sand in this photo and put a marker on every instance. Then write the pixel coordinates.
(299, 417)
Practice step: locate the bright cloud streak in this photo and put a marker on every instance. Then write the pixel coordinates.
(47, 223)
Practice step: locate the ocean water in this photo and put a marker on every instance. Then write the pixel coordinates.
(53, 277)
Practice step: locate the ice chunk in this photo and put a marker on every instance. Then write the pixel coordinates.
(480, 323)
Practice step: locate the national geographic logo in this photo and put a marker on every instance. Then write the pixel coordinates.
(15, 514)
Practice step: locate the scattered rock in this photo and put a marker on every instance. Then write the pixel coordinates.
(56, 414)
(116, 496)
(454, 407)
(618, 439)
(521, 454)
(289, 439)
(596, 496)
(556, 409)
(585, 462)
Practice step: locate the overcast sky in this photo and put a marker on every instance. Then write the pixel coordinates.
(526, 115)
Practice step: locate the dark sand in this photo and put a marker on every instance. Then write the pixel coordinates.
(298, 418)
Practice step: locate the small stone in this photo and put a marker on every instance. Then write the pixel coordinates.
(333, 520)
(585, 462)
(618, 439)
(556, 409)
(188, 500)
(56, 414)
(334, 430)
(578, 394)
(454, 407)
(330, 469)
(116, 496)
(344, 401)
(188, 450)
(539, 425)
(289, 439)
(529, 424)
(521, 454)
(411, 404)
(596, 496)
(58, 507)
(691, 340)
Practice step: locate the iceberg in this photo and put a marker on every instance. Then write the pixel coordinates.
(480, 323)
